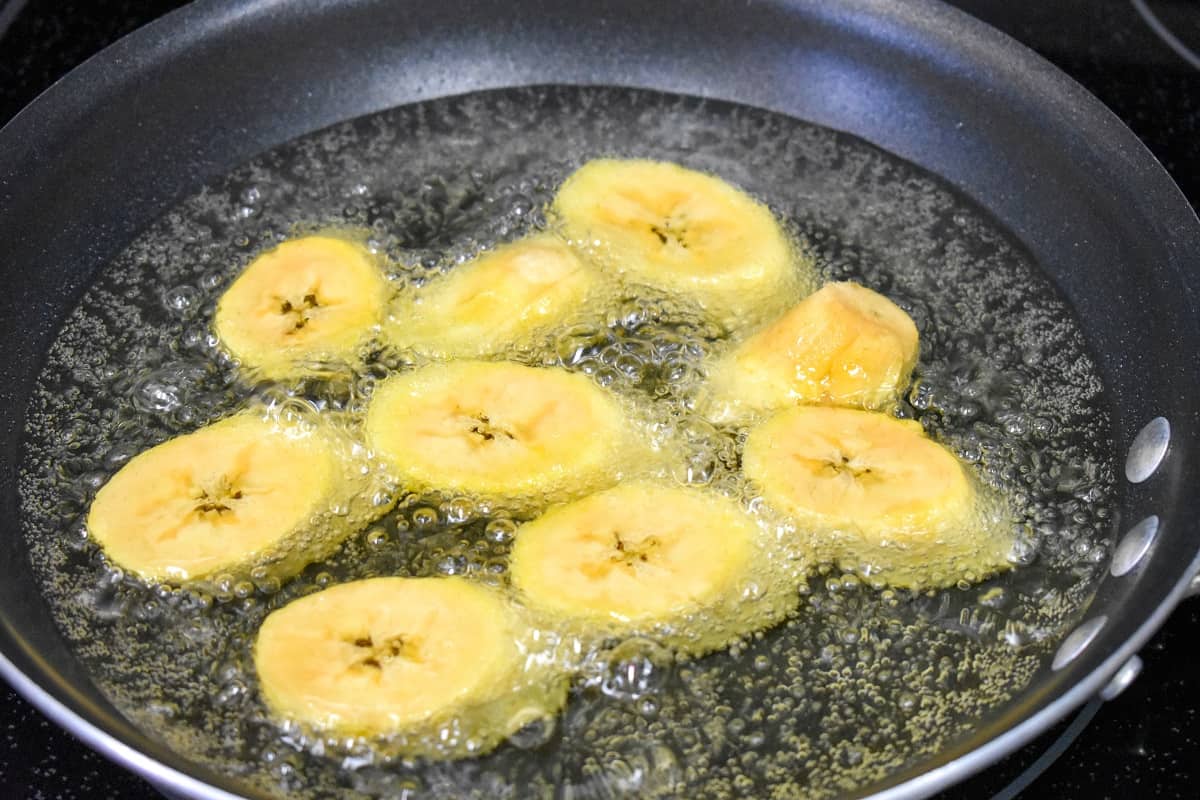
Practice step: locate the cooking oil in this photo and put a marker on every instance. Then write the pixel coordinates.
(858, 683)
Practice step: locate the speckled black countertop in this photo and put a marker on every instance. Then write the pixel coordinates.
(1145, 742)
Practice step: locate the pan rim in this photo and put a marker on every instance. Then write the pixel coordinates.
(941, 776)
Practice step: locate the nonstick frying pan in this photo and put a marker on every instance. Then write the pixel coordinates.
(182, 101)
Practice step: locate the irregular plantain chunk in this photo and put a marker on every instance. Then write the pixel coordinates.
(844, 345)
(503, 298)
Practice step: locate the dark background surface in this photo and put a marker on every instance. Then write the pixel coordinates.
(1147, 741)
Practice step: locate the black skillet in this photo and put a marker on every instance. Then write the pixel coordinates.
(185, 99)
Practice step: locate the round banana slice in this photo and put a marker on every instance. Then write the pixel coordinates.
(844, 345)
(436, 667)
(683, 564)
(308, 301)
(876, 495)
(243, 492)
(498, 429)
(502, 298)
(684, 232)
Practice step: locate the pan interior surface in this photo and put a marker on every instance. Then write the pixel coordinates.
(859, 686)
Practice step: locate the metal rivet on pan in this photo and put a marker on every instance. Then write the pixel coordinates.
(1125, 676)
(1134, 545)
(1074, 644)
(1147, 450)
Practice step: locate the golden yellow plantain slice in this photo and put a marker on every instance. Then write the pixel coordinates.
(499, 429)
(684, 232)
(503, 298)
(243, 492)
(876, 495)
(843, 345)
(435, 666)
(678, 563)
(307, 302)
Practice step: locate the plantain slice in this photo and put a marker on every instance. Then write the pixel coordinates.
(685, 565)
(685, 232)
(244, 492)
(297, 308)
(434, 667)
(878, 496)
(499, 429)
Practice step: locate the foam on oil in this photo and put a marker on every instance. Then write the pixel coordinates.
(856, 685)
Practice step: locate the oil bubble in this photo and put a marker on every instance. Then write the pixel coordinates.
(424, 517)
(535, 734)
(180, 299)
(501, 530)
(634, 669)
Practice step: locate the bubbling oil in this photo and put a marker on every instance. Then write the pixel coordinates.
(857, 684)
